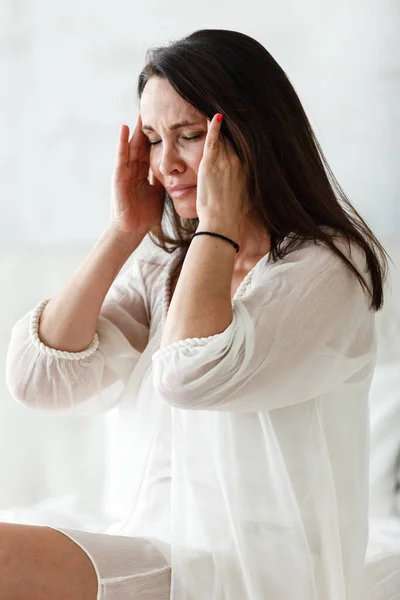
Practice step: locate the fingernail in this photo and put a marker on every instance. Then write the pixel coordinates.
(219, 117)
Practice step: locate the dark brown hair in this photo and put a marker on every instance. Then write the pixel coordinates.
(291, 186)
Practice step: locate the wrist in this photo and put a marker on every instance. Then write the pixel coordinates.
(230, 230)
(127, 241)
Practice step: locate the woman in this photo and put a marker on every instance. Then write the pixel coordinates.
(240, 353)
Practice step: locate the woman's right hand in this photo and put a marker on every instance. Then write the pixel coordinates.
(137, 196)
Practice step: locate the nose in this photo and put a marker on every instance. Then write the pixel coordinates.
(170, 161)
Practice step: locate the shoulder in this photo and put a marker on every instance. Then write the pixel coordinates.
(313, 268)
(313, 257)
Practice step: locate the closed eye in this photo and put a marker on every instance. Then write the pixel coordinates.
(193, 137)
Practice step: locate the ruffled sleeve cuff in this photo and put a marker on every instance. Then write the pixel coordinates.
(34, 328)
(187, 344)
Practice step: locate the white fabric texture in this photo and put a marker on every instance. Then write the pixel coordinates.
(245, 454)
(385, 440)
(127, 568)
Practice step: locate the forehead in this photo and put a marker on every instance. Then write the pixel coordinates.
(161, 104)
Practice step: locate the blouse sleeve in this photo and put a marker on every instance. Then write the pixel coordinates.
(304, 328)
(87, 382)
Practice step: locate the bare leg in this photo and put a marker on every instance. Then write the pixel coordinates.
(40, 563)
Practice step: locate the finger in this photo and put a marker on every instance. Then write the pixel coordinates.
(134, 133)
(213, 139)
(123, 147)
(228, 149)
(136, 142)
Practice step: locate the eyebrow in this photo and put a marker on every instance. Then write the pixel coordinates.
(174, 126)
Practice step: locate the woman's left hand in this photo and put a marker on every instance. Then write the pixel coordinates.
(222, 194)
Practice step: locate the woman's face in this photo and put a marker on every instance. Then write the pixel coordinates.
(175, 153)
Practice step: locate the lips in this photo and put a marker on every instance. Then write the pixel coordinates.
(181, 191)
(178, 188)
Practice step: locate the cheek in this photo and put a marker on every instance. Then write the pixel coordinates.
(190, 156)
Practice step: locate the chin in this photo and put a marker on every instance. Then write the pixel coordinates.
(186, 210)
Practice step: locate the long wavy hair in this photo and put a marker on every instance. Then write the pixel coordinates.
(291, 186)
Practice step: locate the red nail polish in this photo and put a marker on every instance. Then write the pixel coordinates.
(219, 117)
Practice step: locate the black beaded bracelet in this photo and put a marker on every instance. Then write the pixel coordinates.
(218, 235)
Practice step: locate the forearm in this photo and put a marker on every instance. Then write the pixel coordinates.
(69, 320)
(201, 305)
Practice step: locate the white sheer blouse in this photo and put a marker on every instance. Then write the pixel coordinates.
(245, 453)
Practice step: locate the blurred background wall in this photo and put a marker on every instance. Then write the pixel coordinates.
(68, 72)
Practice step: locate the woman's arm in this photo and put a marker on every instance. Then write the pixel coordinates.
(201, 305)
(69, 320)
(303, 329)
(45, 377)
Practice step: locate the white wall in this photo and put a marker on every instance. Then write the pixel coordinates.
(69, 73)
